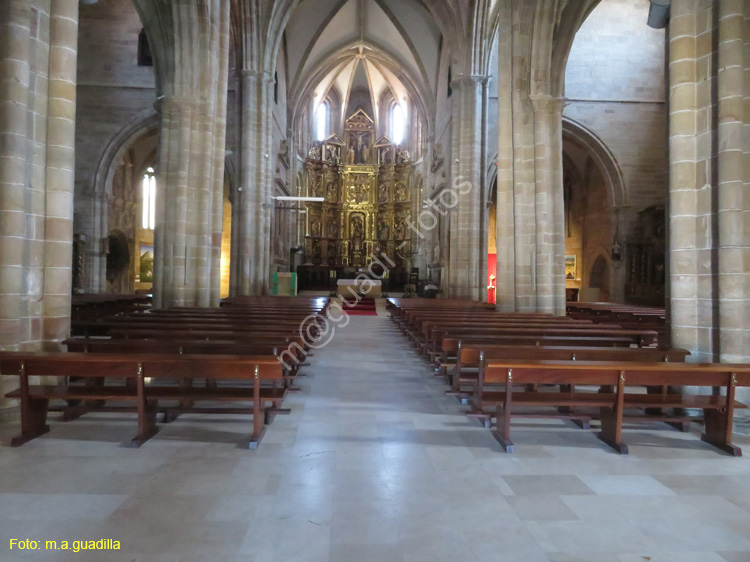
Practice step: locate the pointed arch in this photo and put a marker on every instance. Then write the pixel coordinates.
(138, 126)
(602, 155)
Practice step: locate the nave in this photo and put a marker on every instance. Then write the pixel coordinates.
(374, 463)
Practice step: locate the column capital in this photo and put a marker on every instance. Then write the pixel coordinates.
(470, 79)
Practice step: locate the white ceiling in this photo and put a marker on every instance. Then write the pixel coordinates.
(364, 38)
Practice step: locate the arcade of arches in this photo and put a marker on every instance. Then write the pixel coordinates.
(144, 145)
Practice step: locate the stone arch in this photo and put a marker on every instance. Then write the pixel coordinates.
(602, 155)
(230, 176)
(118, 270)
(98, 228)
(491, 178)
(139, 125)
(599, 276)
(599, 271)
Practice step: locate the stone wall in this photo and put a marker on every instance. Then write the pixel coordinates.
(615, 87)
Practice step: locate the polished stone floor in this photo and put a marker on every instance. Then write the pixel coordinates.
(375, 464)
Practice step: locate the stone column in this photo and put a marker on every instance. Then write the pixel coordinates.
(58, 248)
(466, 278)
(190, 42)
(708, 210)
(506, 233)
(170, 234)
(252, 268)
(689, 191)
(709, 79)
(733, 204)
(15, 247)
(550, 213)
(37, 130)
(530, 210)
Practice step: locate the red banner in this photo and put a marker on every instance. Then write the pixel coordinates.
(491, 277)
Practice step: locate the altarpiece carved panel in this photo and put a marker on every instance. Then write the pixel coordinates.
(367, 197)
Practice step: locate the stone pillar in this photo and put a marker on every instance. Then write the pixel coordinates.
(709, 79)
(15, 247)
(37, 136)
(252, 267)
(505, 293)
(190, 42)
(170, 235)
(530, 210)
(550, 212)
(733, 203)
(708, 209)
(467, 280)
(534, 40)
(61, 117)
(689, 191)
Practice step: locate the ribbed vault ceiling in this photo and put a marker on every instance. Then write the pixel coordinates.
(352, 40)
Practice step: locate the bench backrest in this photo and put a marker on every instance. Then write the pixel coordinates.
(130, 366)
(597, 372)
(471, 355)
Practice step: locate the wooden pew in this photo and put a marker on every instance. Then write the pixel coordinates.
(470, 356)
(502, 385)
(110, 328)
(245, 375)
(445, 343)
(87, 307)
(186, 347)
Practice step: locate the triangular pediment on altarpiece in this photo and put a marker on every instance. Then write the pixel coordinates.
(360, 117)
(384, 141)
(335, 140)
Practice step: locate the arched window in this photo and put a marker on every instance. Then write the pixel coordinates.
(398, 123)
(144, 50)
(321, 122)
(148, 199)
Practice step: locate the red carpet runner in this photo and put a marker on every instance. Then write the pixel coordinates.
(365, 307)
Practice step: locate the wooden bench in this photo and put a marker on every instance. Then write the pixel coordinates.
(186, 347)
(470, 356)
(103, 328)
(96, 378)
(503, 385)
(86, 307)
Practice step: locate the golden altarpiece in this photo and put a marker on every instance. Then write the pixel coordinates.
(366, 184)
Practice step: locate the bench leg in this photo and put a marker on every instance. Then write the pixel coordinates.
(73, 411)
(568, 388)
(611, 432)
(683, 426)
(170, 416)
(719, 431)
(146, 424)
(583, 423)
(502, 433)
(259, 428)
(33, 420)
